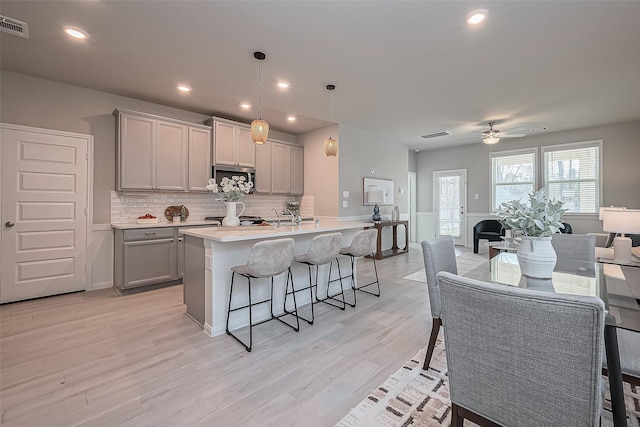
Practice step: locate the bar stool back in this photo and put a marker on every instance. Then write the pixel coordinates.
(363, 244)
(266, 259)
(323, 250)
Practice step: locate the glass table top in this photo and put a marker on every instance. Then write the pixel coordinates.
(618, 286)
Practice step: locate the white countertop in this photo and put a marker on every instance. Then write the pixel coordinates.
(219, 234)
(187, 223)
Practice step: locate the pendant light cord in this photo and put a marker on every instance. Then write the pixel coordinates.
(330, 119)
(260, 86)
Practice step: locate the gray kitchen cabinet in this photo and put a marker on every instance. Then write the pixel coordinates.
(156, 153)
(287, 169)
(199, 158)
(233, 145)
(144, 257)
(263, 168)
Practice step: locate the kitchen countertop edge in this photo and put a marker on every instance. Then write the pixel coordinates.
(219, 235)
(187, 223)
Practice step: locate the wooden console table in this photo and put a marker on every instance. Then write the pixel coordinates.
(395, 250)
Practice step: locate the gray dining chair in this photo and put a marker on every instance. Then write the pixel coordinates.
(629, 350)
(439, 255)
(572, 249)
(519, 356)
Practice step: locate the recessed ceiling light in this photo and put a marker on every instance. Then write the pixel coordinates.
(76, 33)
(476, 16)
(184, 88)
(245, 105)
(283, 85)
(291, 118)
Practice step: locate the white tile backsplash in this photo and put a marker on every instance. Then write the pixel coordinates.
(127, 206)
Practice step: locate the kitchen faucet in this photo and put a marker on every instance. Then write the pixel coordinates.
(296, 219)
(278, 216)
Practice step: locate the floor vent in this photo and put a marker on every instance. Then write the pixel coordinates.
(13, 26)
(435, 134)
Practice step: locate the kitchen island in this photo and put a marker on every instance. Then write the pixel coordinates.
(211, 251)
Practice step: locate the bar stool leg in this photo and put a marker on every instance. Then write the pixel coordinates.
(248, 348)
(333, 297)
(295, 303)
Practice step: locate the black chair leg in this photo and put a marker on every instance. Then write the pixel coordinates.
(435, 328)
(475, 245)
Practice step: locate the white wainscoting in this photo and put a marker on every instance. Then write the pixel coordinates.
(426, 229)
(424, 226)
(102, 257)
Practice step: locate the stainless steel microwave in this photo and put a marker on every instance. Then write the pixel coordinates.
(221, 171)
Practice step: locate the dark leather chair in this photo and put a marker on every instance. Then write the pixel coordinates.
(489, 229)
(567, 228)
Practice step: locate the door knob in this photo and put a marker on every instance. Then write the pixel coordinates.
(9, 224)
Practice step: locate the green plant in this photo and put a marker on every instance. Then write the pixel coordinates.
(541, 217)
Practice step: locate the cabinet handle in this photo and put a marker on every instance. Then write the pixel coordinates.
(150, 234)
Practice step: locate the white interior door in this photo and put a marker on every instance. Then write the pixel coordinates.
(44, 213)
(412, 206)
(450, 195)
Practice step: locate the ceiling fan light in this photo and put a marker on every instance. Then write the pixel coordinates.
(330, 147)
(490, 140)
(259, 131)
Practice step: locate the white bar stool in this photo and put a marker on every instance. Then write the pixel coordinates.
(363, 244)
(266, 259)
(322, 251)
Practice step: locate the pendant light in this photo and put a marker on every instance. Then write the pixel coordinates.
(330, 145)
(259, 128)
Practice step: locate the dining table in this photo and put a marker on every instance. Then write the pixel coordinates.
(614, 284)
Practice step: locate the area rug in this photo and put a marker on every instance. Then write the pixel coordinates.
(466, 262)
(413, 397)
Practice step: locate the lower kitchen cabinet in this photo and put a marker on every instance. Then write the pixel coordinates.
(148, 257)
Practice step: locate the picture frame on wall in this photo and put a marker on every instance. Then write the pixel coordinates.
(377, 191)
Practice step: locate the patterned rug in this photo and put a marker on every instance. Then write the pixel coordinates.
(413, 397)
(466, 262)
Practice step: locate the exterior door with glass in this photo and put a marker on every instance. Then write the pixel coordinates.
(450, 195)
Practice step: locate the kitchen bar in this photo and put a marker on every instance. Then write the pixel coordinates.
(210, 252)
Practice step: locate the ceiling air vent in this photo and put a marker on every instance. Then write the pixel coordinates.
(435, 134)
(13, 26)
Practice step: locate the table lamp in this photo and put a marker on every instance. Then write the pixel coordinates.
(621, 221)
(375, 196)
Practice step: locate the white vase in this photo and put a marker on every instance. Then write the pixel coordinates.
(231, 219)
(536, 257)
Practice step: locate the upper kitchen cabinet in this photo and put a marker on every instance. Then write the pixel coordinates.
(233, 145)
(155, 153)
(263, 177)
(287, 169)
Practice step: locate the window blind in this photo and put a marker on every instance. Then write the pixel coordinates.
(513, 175)
(572, 175)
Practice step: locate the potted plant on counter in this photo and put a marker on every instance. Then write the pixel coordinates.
(231, 191)
(535, 222)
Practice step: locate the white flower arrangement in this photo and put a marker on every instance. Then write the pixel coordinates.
(230, 190)
(541, 217)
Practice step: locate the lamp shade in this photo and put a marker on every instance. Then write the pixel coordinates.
(610, 208)
(375, 196)
(259, 131)
(621, 221)
(490, 140)
(331, 147)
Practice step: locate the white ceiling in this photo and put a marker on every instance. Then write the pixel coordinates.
(401, 69)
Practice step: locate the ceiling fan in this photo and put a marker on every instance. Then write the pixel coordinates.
(492, 136)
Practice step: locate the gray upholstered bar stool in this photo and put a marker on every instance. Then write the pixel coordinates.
(323, 250)
(363, 244)
(267, 259)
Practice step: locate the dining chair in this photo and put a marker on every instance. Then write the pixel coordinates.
(323, 250)
(519, 356)
(439, 255)
(629, 351)
(572, 248)
(267, 259)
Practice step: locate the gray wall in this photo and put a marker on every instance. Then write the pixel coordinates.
(359, 153)
(621, 172)
(36, 102)
(321, 172)
(413, 161)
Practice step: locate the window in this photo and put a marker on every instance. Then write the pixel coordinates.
(572, 174)
(513, 175)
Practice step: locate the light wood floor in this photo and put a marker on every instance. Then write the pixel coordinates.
(99, 359)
